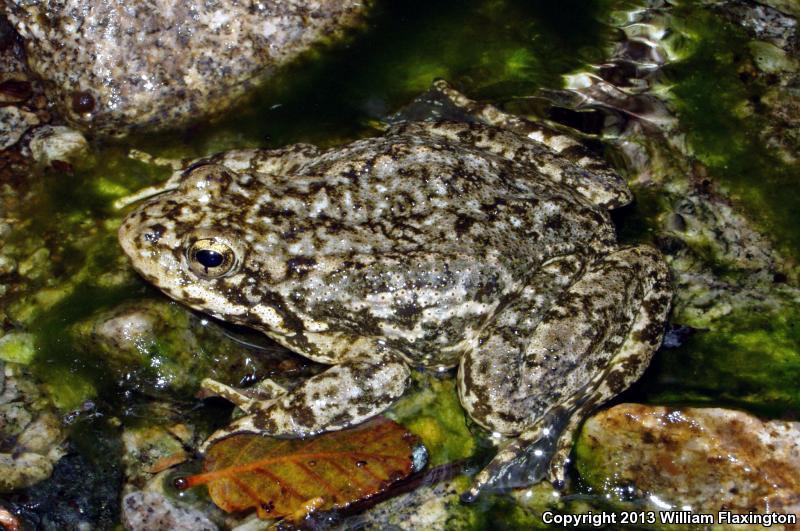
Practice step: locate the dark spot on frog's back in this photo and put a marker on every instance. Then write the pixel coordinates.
(554, 222)
(651, 333)
(300, 266)
(492, 208)
(463, 224)
(488, 290)
(616, 381)
(407, 313)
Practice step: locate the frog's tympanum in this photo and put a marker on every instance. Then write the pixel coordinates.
(484, 244)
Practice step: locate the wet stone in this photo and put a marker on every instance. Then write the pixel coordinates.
(80, 494)
(31, 435)
(428, 507)
(161, 349)
(709, 459)
(153, 511)
(139, 81)
(152, 449)
(13, 124)
(50, 143)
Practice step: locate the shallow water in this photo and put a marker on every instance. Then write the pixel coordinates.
(498, 50)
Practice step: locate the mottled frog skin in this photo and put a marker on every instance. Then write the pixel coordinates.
(483, 245)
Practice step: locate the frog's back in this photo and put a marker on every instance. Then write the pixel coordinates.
(405, 194)
(416, 241)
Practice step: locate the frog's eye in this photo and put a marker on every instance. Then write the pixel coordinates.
(211, 258)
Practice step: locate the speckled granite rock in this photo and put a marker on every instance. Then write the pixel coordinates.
(30, 432)
(111, 64)
(23, 104)
(56, 143)
(710, 459)
(14, 123)
(152, 511)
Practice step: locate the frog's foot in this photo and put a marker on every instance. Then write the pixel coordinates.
(594, 341)
(247, 402)
(525, 460)
(342, 396)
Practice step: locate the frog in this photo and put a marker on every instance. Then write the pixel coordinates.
(474, 240)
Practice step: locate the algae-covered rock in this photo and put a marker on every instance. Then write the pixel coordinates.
(152, 449)
(111, 66)
(162, 349)
(31, 434)
(431, 410)
(18, 347)
(706, 459)
(751, 357)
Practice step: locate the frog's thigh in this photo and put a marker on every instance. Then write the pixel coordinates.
(344, 395)
(602, 331)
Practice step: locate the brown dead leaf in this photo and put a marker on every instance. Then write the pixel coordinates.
(290, 477)
(8, 520)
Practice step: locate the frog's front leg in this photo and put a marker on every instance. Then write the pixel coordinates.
(344, 395)
(539, 378)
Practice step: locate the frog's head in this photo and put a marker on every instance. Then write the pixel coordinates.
(188, 241)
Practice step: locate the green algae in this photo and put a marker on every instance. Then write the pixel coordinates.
(751, 359)
(432, 411)
(18, 347)
(717, 98)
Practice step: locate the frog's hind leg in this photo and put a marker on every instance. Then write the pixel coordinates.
(344, 395)
(589, 173)
(596, 339)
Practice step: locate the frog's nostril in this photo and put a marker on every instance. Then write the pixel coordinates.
(154, 233)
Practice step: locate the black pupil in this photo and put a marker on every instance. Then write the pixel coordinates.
(209, 258)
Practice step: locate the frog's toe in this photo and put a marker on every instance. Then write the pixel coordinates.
(527, 459)
(246, 424)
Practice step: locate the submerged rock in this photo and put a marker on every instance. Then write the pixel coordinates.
(80, 494)
(705, 459)
(152, 449)
(153, 511)
(14, 123)
(434, 507)
(56, 143)
(114, 65)
(161, 349)
(31, 434)
(18, 347)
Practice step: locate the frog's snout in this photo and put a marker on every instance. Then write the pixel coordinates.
(134, 236)
(146, 243)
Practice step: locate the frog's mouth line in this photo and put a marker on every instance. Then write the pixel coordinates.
(170, 185)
